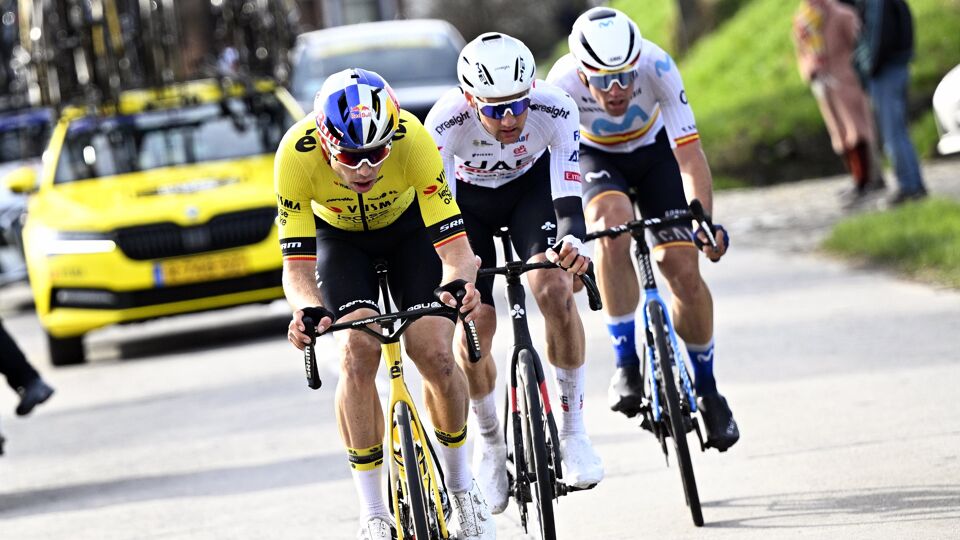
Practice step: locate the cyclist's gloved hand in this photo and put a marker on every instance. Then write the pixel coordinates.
(721, 237)
(567, 254)
(297, 331)
(469, 300)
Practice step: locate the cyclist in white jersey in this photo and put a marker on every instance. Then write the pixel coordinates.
(510, 149)
(641, 145)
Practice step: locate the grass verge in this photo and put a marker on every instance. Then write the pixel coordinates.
(920, 239)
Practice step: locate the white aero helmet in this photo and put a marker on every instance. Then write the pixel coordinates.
(605, 40)
(495, 65)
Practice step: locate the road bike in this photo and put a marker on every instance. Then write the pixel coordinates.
(416, 487)
(669, 405)
(529, 428)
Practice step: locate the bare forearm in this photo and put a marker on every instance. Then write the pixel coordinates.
(458, 261)
(697, 179)
(299, 284)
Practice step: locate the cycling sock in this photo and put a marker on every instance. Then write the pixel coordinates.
(485, 409)
(365, 465)
(570, 389)
(622, 333)
(701, 356)
(456, 459)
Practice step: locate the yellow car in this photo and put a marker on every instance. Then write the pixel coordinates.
(160, 205)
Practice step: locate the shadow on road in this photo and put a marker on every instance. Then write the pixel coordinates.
(843, 508)
(135, 346)
(221, 482)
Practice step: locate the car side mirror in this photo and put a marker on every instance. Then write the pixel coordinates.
(22, 180)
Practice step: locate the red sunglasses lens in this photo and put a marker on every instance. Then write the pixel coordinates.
(354, 159)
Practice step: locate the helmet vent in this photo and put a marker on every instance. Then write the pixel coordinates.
(602, 14)
(589, 49)
(487, 73)
(516, 69)
(333, 129)
(343, 107)
(352, 132)
(492, 37)
(375, 94)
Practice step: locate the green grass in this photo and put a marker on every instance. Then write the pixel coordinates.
(757, 118)
(920, 239)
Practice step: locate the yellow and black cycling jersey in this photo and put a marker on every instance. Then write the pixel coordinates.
(307, 186)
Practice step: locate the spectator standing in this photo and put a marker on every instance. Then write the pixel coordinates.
(825, 35)
(882, 59)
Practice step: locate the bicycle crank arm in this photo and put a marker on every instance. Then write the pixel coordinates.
(563, 489)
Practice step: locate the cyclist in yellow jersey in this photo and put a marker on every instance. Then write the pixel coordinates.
(360, 180)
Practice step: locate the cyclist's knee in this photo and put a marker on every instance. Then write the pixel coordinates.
(359, 358)
(680, 268)
(608, 209)
(554, 293)
(434, 361)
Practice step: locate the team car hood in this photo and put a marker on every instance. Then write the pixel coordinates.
(182, 195)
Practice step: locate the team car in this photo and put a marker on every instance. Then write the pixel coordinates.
(161, 204)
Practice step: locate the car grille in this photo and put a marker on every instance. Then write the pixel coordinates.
(164, 295)
(225, 231)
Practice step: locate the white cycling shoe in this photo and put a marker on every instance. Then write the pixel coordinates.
(474, 521)
(376, 528)
(581, 464)
(490, 467)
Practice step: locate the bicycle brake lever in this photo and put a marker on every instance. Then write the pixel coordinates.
(589, 280)
(310, 355)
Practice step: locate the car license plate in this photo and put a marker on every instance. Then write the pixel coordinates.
(200, 268)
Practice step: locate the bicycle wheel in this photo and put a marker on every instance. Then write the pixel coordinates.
(414, 497)
(674, 412)
(535, 446)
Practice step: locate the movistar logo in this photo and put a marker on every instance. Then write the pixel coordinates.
(594, 176)
(601, 125)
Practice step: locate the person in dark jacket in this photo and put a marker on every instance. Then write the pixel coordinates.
(21, 376)
(882, 59)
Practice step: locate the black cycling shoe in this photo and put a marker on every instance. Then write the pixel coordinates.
(33, 394)
(722, 431)
(625, 394)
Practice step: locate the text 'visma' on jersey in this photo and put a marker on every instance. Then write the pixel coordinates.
(659, 99)
(306, 185)
(472, 155)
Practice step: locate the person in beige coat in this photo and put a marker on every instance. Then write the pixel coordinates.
(825, 34)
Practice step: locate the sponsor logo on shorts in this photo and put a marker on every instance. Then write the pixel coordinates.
(591, 177)
(355, 302)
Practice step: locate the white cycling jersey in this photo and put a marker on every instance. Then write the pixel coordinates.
(658, 99)
(470, 154)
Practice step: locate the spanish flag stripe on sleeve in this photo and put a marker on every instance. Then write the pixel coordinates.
(686, 140)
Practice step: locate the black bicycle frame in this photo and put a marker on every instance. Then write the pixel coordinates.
(516, 297)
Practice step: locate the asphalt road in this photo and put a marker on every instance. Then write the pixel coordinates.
(843, 380)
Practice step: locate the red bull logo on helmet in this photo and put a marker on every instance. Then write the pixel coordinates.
(361, 111)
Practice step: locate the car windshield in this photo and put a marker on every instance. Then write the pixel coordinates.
(23, 137)
(420, 62)
(234, 128)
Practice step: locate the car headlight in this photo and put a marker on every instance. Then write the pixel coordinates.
(54, 242)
